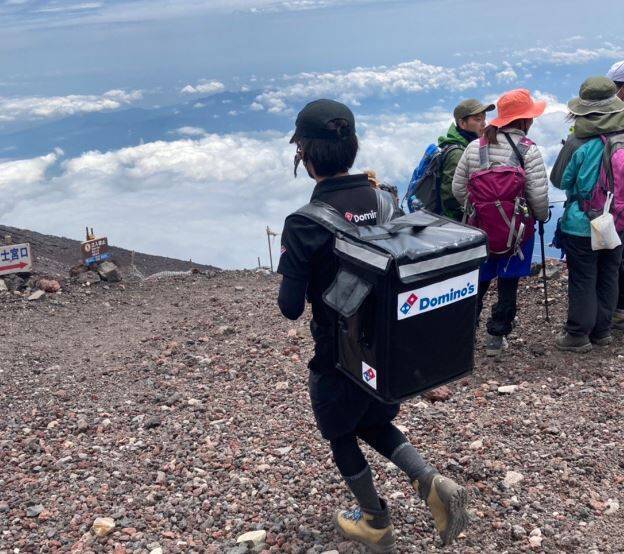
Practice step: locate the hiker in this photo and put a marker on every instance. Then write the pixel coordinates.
(505, 144)
(327, 146)
(468, 126)
(616, 74)
(430, 186)
(593, 274)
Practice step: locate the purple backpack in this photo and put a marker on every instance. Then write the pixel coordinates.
(499, 208)
(611, 179)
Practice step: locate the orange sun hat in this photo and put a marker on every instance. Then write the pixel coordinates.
(517, 104)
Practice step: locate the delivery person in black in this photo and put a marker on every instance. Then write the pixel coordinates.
(327, 146)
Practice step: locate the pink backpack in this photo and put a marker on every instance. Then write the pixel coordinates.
(499, 207)
(611, 179)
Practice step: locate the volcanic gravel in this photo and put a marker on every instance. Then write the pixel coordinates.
(178, 407)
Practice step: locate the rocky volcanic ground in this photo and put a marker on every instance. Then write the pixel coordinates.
(178, 408)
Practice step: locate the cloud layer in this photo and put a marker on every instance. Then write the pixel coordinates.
(41, 107)
(208, 197)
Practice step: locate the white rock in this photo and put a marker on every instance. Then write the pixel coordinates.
(36, 295)
(255, 537)
(283, 451)
(102, 526)
(508, 389)
(282, 385)
(3, 287)
(476, 445)
(512, 478)
(612, 507)
(535, 538)
(194, 402)
(157, 550)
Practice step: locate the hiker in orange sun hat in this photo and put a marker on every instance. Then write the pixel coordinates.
(501, 181)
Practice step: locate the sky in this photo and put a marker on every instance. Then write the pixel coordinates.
(164, 125)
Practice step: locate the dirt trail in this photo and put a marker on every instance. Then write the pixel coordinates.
(179, 408)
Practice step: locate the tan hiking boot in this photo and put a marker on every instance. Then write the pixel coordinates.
(447, 502)
(372, 529)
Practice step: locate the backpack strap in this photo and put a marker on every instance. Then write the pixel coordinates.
(484, 154)
(606, 163)
(331, 219)
(326, 216)
(519, 150)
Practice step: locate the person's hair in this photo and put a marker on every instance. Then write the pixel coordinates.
(491, 131)
(372, 178)
(330, 157)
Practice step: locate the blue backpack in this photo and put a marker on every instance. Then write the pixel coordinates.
(423, 190)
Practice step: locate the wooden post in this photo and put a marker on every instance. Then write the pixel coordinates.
(268, 231)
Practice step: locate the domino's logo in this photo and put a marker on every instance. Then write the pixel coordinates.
(437, 295)
(369, 375)
(411, 300)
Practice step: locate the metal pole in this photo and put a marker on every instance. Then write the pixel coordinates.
(259, 266)
(268, 231)
(541, 234)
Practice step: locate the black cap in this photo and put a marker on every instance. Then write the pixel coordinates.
(313, 119)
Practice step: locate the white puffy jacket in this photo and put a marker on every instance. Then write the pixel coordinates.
(536, 188)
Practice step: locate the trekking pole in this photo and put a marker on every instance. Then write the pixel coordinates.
(541, 234)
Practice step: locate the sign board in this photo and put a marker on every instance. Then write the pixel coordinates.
(95, 250)
(15, 258)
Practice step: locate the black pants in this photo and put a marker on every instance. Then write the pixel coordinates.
(620, 304)
(504, 311)
(348, 456)
(592, 287)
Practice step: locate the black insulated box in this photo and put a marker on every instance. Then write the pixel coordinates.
(406, 295)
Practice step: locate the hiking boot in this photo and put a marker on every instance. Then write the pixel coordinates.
(571, 343)
(494, 345)
(371, 528)
(447, 502)
(618, 320)
(606, 340)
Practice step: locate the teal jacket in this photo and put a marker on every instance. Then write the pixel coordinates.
(577, 167)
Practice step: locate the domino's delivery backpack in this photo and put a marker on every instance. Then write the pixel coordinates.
(406, 298)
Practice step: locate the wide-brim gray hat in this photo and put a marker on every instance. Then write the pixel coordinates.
(597, 95)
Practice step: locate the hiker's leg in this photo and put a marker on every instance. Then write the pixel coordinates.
(445, 499)
(483, 288)
(388, 440)
(504, 311)
(355, 470)
(582, 277)
(620, 304)
(370, 523)
(609, 263)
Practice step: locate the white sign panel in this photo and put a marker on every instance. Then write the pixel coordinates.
(15, 258)
(419, 301)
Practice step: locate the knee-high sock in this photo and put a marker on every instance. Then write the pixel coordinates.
(392, 444)
(356, 472)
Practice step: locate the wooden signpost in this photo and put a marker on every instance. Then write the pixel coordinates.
(93, 249)
(15, 258)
